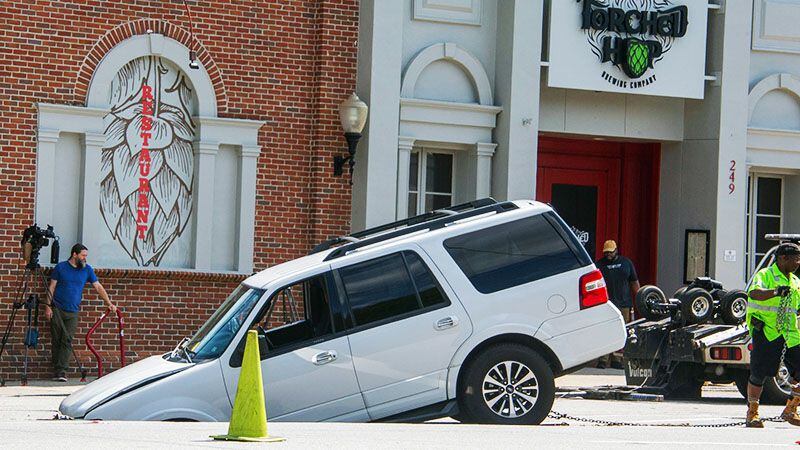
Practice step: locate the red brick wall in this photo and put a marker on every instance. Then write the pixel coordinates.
(289, 63)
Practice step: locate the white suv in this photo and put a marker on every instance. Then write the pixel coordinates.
(469, 312)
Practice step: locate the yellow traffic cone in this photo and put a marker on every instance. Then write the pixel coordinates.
(249, 417)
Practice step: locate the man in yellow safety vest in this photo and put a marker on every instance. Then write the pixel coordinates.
(772, 320)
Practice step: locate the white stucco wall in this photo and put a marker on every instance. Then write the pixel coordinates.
(773, 140)
(479, 40)
(610, 115)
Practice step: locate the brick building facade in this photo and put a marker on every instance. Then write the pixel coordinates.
(287, 64)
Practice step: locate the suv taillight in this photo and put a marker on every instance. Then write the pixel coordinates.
(593, 290)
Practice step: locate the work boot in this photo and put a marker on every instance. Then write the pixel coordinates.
(789, 413)
(753, 421)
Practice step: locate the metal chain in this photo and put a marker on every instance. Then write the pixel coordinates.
(784, 323)
(611, 423)
(784, 317)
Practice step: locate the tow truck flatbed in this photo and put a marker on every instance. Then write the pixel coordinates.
(673, 359)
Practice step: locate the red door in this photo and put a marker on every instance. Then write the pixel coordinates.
(584, 199)
(605, 190)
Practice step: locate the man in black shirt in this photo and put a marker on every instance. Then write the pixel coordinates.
(622, 283)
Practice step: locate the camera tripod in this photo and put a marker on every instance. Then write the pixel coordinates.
(30, 302)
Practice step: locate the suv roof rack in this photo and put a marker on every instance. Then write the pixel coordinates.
(429, 221)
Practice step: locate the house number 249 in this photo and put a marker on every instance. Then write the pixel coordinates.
(732, 177)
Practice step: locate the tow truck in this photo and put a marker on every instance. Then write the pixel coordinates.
(695, 336)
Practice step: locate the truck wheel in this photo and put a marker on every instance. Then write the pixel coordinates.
(778, 389)
(507, 384)
(697, 306)
(717, 294)
(651, 302)
(733, 307)
(742, 378)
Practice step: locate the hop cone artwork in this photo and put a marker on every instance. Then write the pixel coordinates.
(147, 161)
(638, 58)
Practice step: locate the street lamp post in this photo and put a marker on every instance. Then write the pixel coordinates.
(353, 115)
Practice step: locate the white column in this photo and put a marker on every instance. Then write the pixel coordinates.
(248, 161)
(45, 176)
(404, 147)
(380, 54)
(519, 52)
(89, 229)
(483, 170)
(205, 154)
(730, 215)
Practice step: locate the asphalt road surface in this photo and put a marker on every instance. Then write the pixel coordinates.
(26, 422)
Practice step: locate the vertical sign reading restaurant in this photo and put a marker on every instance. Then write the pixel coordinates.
(143, 204)
(652, 47)
(147, 166)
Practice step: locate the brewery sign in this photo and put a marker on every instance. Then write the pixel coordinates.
(652, 47)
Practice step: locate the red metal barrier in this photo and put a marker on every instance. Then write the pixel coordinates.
(97, 356)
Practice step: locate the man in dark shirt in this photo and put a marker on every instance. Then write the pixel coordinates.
(67, 281)
(622, 283)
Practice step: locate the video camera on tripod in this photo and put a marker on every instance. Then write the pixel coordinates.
(33, 239)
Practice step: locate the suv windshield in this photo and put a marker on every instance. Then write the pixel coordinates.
(214, 336)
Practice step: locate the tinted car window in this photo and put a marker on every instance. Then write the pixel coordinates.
(429, 291)
(511, 254)
(379, 289)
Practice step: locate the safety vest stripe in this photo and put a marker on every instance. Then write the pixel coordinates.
(775, 309)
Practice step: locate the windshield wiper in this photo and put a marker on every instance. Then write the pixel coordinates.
(181, 347)
(187, 353)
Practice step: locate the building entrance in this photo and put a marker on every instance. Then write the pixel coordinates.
(605, 190)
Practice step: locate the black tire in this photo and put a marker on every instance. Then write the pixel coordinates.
(680, 292)
(777, 389)
(772, 393)
(648, 299)
(717, 294)
(697, 306)
(474, 395)
(742, 379)
(733, 307)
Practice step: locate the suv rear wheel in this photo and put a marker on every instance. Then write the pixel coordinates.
(507, 384)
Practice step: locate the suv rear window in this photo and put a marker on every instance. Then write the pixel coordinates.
(512, 254)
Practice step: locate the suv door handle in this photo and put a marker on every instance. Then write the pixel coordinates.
(324, 357)
(445, 323)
